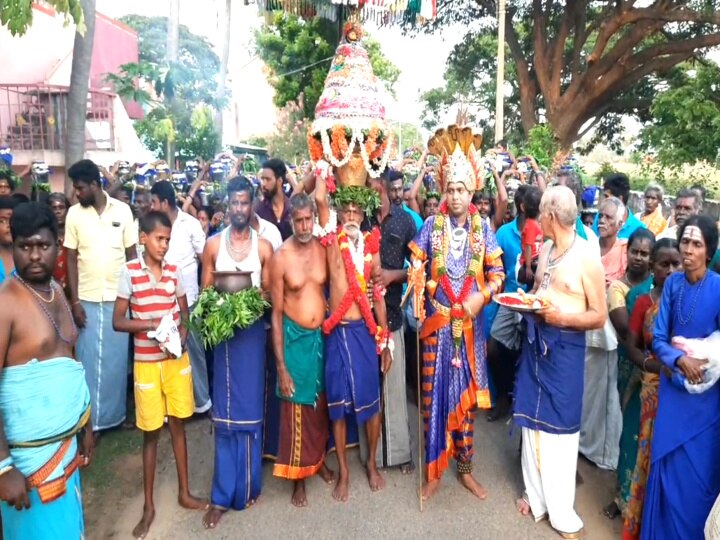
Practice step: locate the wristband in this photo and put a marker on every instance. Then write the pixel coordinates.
(8, 462)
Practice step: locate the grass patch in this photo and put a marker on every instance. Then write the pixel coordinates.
(106, 471)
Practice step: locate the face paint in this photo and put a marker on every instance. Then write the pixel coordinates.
(693, 233)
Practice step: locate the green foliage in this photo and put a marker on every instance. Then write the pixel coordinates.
(216, 315)
(685, 125)
(367, 199)
(542, 145)
(676, 177)
(17, 15)
(581, 66)
(184, 93)
(298, 53)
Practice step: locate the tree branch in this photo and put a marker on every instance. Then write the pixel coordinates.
(526, 85)
(558, 47)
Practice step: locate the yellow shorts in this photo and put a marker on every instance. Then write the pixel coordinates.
(163, 389)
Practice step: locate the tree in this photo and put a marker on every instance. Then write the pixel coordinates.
(685, 125)
(223, 66)
(186, 90)
(580, 64)
(78, 93)
(17, 15)
(298, 53)
(289, 140)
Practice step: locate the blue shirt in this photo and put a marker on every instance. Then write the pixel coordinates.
(628, 228)
(508, 238)
(416, 217)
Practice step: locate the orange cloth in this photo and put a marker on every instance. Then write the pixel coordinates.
(615, 262)
(655, 221)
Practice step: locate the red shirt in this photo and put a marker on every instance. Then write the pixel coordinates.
(531, 236)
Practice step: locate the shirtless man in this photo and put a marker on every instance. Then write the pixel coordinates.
(237, 414)
(353, 336)
(552, 358)
(298, 276)
(37, 336)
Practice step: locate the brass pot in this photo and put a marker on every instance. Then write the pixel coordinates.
(232, 281)
(353, 173)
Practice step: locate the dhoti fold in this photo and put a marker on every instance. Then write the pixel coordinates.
(352, 372)
(44, 404)
(304, 424)
(237, 414)
(104, 355)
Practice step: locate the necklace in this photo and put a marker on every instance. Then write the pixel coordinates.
(242, 250)
(73, 333)
(685, 320)
(37, 290)
(552, 263)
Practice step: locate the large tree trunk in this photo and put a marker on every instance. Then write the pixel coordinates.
(171, 57)
(78, 93)
(223, 69)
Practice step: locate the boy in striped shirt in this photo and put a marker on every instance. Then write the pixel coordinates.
(150, 288)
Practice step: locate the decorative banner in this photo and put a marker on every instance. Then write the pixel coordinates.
(381, 12)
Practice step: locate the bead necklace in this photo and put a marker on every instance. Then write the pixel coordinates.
(73, 335)
(35, 290)
(242, 250)
(685, 320)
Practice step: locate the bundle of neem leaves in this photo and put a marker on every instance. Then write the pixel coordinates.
(216, 315)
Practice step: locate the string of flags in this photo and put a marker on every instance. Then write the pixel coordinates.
(381, 12)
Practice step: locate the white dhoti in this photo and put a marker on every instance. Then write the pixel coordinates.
(601, 424)
(549, 465)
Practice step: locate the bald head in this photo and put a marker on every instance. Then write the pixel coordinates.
(560, 202)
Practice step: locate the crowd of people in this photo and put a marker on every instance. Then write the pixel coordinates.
(600, 373)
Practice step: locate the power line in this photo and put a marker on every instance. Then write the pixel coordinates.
(304, 68)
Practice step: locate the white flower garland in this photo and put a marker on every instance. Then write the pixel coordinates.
(357, 137)
(329, 228)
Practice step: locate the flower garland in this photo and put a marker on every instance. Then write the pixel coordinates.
(440, 241)
(357, 282)
(336, 143)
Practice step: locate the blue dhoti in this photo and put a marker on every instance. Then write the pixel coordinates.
(549, 381)
(104, 355)
(39, 401)
(352, 372)
(237, 413)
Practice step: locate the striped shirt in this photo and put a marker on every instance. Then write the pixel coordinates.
(150, 299)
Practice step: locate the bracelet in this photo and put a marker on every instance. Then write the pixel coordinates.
(644, 366)
(7, 469)
(75, 303)
(7, 462)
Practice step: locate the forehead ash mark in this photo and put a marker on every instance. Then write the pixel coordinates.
(693, 233)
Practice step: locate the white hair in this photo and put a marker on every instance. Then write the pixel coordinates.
(560, 201)
(620, 209)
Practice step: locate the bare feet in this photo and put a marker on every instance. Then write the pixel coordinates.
(473, 486)
(212, 517)
(375, 479)
(340, 493)
(523, 507)
(299, 498)
(407, 468)
(142, 528)
(327, 474)
(429, 489)
(193, 503)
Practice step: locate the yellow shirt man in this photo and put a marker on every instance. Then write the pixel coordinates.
(100, 241)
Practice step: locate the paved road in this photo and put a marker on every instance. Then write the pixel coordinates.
(392, 513)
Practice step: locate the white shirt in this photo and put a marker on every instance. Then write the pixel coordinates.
(670, 232)
(270, 232)
(187, 241)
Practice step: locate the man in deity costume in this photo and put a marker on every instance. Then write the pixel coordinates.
(457, 263)
(549, 383)
(298, 276)
(239, 369)
(44, 399)
(350, 132)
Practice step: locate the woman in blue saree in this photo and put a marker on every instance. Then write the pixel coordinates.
(684, 478)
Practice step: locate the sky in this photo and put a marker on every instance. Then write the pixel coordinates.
(254, 112)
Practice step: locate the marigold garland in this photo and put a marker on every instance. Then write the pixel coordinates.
(440, 245)
(355, 292)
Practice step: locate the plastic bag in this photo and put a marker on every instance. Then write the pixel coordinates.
(703, 349)
(167, 335)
